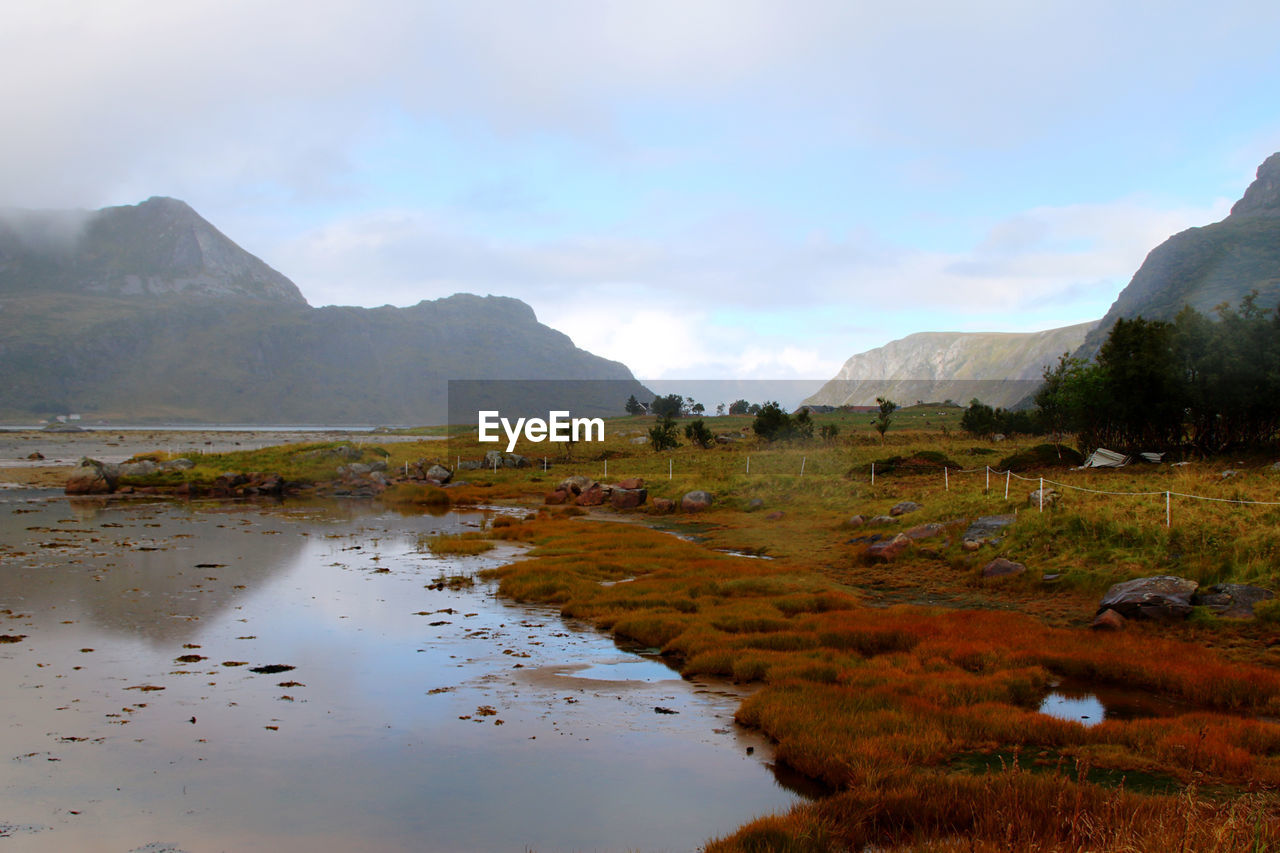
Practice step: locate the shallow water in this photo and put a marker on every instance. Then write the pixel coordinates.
(1091, 704)
(412, 719)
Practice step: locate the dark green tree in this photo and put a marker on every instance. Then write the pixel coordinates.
(882, 421)
(634, 407)
(663, 434)
(698, 434)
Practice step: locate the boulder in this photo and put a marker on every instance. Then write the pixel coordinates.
(664, 505)
(754, 504)
(93, 478)
(439, 473)
(1233, 600)
(855, 521)
(888, 549)
(903, 507)
(34, 457)
(695, 501)
(575, 485)
(1162, 597)
(1108, 620)
(1051, 497)
(882, 519)
(627, 498)
(141, 468)
(775, 515)
(556, 498)
(985, 529)
(594, 496)
(499, 459)
(642, 439)
(1000, 568)
(182, 463)
(924, 531)
(631, 483)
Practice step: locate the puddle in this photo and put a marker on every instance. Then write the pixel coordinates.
(1090, 704)
(148, 701)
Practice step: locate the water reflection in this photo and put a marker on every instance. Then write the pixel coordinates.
(413, 719)
(1089, 704)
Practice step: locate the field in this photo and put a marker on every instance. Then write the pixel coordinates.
(911, 687)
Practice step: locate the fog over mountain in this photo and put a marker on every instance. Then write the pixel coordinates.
(148, 313)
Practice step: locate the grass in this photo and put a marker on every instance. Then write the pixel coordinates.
(885, 680)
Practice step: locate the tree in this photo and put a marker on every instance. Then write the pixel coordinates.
(719, 409)
(698, 433)
(697, 408)
(739, 407)
(979, 420)
(669, 406)
(829, 432)
(663, 434)
(881, 423)
(634, 406)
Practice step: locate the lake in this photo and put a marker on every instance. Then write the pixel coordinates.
(389, 712)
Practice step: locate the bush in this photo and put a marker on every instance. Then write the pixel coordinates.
(698, 433)
(663, 435)
(1042, 456)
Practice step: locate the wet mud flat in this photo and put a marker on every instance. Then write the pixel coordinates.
(300, 677)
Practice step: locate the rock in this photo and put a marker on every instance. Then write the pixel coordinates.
(696, 501)
(855, 521)
(984, 529)
(180, 464)
(499, 459)
(882, 519)
(469, 465)
(556, 497)
(643, 439)
(627, 498)
(1050, 497)
(970, 545)
(1108, 620)
(1000, 567)
(903, 507)
(378, 465)
(775, 515)
(575, 485)
(632, 483)
(594, 496)
(1228, 474)
(355, 469)
(141, 468)
(1161, 597)
(439, 473)
(664, 505)
(888, 549)
(93, 478)
(754, 504)
(1233, 600)
(35, 456)
(924, 531)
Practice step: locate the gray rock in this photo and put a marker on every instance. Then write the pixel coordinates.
(576, 484)
(93, 478)
(643, 439)
(1108, 620)
(1233, 600)
(141, 468)
(855, 521)
(696, 501)
(903, 507)
(882, 519)
(1162, 597)
(499, 459)
(754, 504)
(984, 529)
(439, 473)
(182, 463)
(1051, 497)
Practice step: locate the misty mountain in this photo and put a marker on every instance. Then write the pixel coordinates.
(1000, 369)
(1206, 266)
(149, 313)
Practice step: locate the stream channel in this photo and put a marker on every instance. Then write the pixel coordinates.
(399, 716)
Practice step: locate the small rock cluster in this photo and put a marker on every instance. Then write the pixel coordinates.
(1167, 598)
(583, 491)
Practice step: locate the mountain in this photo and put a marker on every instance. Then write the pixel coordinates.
(1203, 267)
(149, 313)
(1000, 369)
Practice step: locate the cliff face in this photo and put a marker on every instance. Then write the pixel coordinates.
(148, 313)
(997, 368)
(1206, 266)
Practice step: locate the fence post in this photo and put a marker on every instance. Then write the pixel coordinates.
(748, 464)
(873, 473)
(670, 468)
(987, 487)
(1166, 509)
(946, 479)
(802, 461)
(1042, 494)
(606, 469)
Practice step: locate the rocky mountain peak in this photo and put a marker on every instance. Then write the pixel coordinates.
(1262, 198)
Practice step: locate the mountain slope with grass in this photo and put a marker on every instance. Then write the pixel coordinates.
(997, 368)
(149, 313)
(1206, 266)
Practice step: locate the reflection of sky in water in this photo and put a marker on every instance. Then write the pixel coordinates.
(368, 751)
(1086, 709)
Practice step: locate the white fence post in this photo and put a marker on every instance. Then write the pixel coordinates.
(1042, 494)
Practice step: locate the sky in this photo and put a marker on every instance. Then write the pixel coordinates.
(700, 189)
